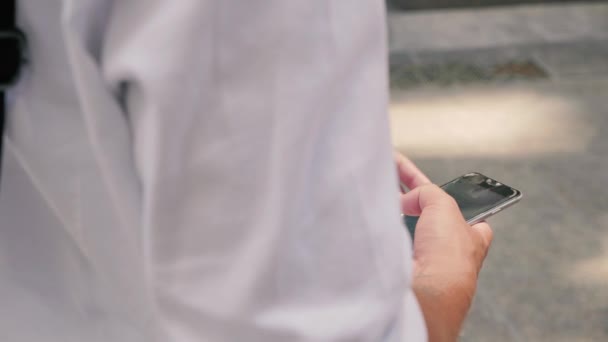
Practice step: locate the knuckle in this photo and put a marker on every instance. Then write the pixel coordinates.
(484, 240)
(435, 190)
(451, 201)
(440, 196)
(487, 235)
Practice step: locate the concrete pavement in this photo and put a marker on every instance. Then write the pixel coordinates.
(546, 278)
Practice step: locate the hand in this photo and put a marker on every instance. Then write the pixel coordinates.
(409, 174)
(448, 255)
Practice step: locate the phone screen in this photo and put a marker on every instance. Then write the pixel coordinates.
(477, 194)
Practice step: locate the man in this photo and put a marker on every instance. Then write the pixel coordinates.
(206, 170)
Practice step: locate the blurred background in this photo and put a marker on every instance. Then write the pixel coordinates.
(517, 90)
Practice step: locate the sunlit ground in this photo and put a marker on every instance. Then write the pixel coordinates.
(495, 122)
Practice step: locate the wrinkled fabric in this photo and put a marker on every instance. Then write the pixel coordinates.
(202, 170)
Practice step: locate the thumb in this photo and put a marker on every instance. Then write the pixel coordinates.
(415, 201)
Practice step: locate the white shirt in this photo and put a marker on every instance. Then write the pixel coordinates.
(203, 170)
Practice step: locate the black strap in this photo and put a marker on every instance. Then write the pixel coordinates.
(7, 14)
(2, 112)
(7, 23)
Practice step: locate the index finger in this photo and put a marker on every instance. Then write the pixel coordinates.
(409, 174)
(485, 232)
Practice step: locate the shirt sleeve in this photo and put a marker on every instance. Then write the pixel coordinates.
(261, 144)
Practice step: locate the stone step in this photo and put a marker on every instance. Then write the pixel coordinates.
(556, 61)
(454, 30)
(437, 4)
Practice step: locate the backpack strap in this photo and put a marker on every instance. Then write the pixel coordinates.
(12, 45)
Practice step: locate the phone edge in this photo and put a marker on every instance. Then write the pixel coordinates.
(491, 212)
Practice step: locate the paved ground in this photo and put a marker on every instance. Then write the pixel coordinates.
(435, 4)
(546, 278)
(450, 30)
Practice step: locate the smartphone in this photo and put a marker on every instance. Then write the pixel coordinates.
(478, 197)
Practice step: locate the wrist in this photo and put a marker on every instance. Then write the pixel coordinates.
(445, 302)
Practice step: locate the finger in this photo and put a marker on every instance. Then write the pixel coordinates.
(409, 203)
(415, 201)
(486, 234)
(409, 174)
